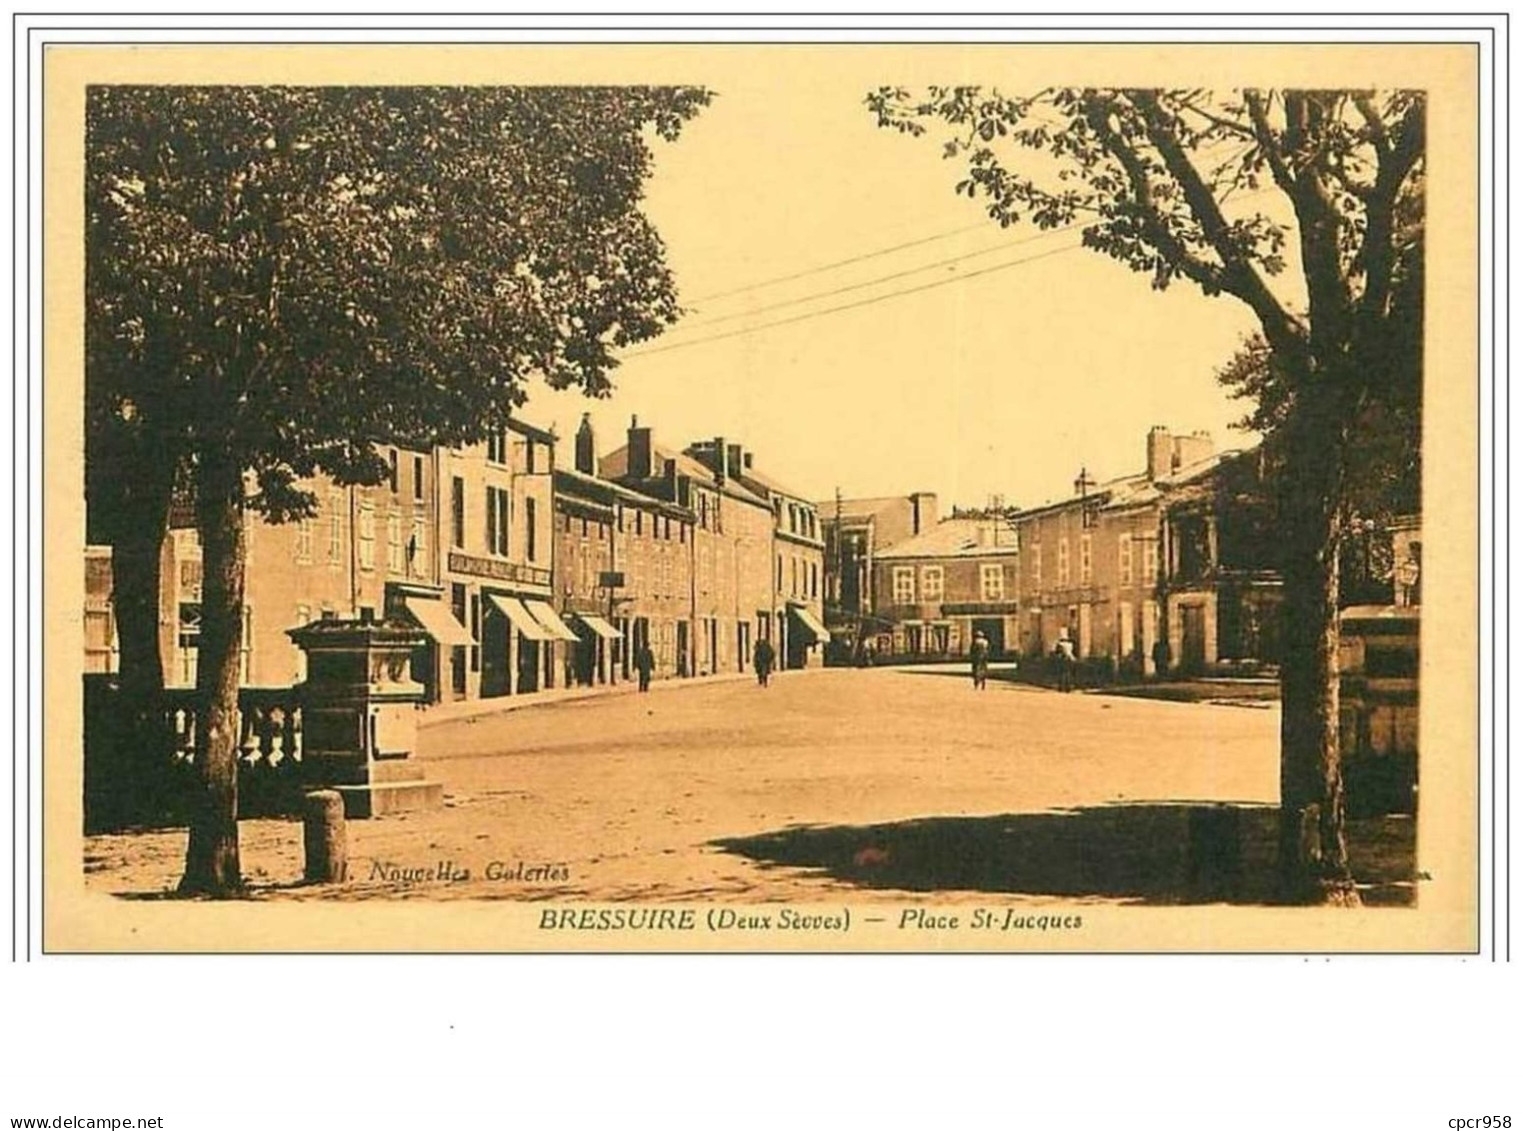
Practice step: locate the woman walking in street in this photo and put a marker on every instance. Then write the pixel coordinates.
(979, 652)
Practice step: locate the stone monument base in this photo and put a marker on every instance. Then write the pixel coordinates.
(380, 788)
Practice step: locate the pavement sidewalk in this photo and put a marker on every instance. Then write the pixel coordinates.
(441, 713)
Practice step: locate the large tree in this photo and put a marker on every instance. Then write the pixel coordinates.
(1149, 177)
(280, 278)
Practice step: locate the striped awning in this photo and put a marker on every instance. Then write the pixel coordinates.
(438, 622)
(550, 620)
(810, 622)
(599, 626)
(513, 610)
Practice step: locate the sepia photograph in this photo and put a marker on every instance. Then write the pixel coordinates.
(841, 497)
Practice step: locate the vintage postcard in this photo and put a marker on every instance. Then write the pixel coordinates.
(762, 497)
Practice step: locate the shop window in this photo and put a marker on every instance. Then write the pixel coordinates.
(417, 549)
(395, 562)
(457, 513)
(335, 527)
(496, 521)
(932, 583)
(993, 582)
(304, 540)
(903, 585)
(367, 537)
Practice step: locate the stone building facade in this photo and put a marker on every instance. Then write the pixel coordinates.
(625, 568)
(855, 531)
(796, 622)
(496, 560)
(1169, 569)
(726, 532)
(363, 548)
(934, 591)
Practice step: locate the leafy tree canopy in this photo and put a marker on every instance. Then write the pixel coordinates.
(1330, 265)
(1152, 177)
(287, 275)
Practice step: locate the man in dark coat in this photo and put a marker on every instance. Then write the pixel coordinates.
(644, 663)
(765, 656)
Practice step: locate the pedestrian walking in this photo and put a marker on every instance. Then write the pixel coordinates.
(1162, 658)
(644, 663)
(979, 652)
(1066, 661)
(765, 655)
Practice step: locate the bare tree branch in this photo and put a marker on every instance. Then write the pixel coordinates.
(1239, 277)
(1207, 275)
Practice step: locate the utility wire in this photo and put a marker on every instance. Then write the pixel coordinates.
(703, 323)
(881, 298)
(841, 262)
(859, 303)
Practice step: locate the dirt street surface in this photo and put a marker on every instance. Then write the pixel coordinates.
(828, 782)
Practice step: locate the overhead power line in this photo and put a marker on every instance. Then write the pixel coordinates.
(841, 263)
(807, 315)
(702, 323)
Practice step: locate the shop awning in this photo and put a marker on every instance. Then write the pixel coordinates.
(810, 622)
(551, 621)
(513, 610)
(599, 626)
(438, 622)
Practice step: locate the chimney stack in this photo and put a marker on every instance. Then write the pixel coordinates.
(720, 460)
(586, 446)
(926, 510)
(1192, 448)
(1159, 453)
(640, 457)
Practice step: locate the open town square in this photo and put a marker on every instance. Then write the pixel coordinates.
(885, 782)
(639, 527)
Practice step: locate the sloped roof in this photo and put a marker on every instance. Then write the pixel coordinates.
(860, 508)
(615, 465)
(953, 537)
(1137, 489)
(750, 475)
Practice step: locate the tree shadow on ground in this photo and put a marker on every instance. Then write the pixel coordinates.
(251, 890)
(1150, 853)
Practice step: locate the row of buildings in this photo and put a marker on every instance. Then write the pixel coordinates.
(526, 572)
(530, 570)
(1168, 569)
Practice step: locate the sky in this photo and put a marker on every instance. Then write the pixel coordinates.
(1001, 384)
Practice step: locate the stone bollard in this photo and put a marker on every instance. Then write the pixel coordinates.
(1215, 853)
(326, 837)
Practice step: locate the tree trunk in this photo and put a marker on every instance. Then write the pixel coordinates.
(211, 862)
(1313, 851)
(141, 523)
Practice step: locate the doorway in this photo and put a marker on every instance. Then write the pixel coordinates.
(992, 629)
(1192, 644)
(494, 643)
